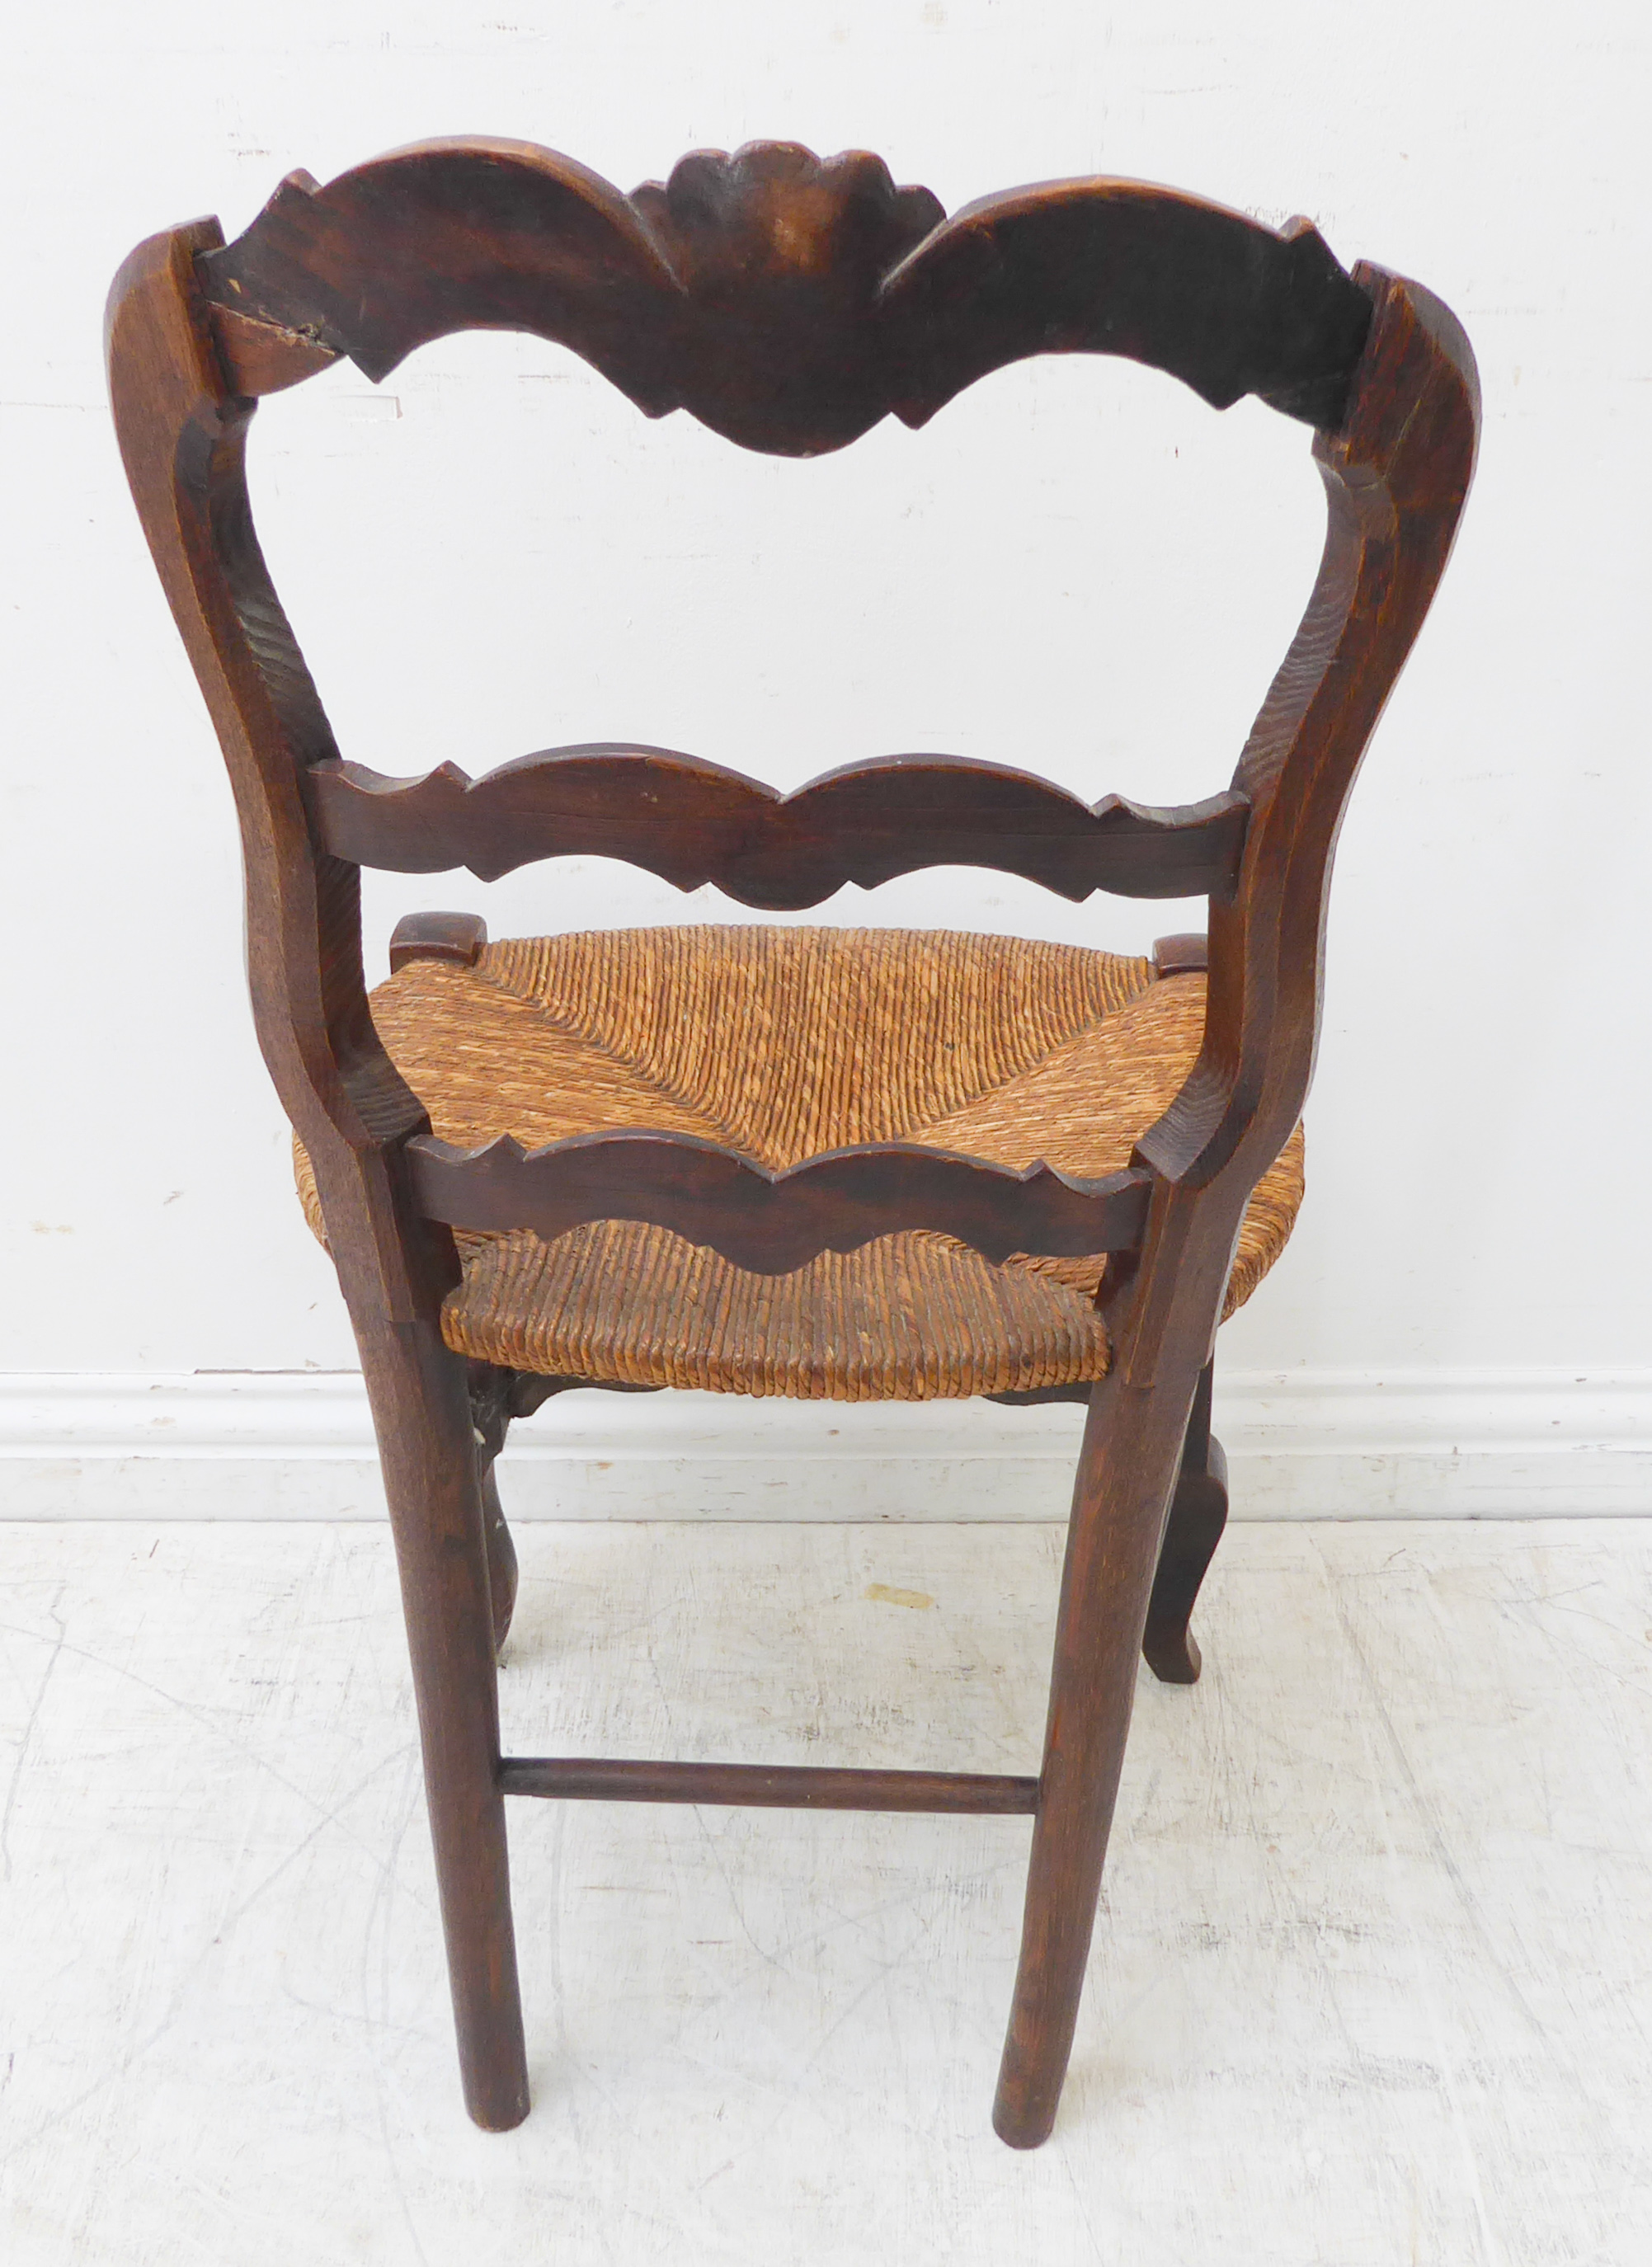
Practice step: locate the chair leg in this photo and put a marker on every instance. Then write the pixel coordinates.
(491, 1411)
(1132, 1440)
(1199, 1513)
(422, 1418)
(502, 1556)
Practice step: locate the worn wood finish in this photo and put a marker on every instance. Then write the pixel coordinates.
(788, 302)
(774, 1222)
(691, 822)
(768, 1787)
(790, 305)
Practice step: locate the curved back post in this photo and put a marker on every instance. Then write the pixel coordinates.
(1396, 476)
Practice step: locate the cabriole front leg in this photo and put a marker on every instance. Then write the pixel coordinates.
(1198, 1516)
(491, 1411)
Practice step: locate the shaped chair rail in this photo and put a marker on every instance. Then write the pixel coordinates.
(691, 822)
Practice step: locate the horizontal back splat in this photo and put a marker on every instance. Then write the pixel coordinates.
(788, 302)
(691, 823)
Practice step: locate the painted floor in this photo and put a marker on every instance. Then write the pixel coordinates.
(1372, 1982)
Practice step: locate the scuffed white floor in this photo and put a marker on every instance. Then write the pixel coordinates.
(1370, 1983)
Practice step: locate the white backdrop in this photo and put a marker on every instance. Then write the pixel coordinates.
(1078, 567)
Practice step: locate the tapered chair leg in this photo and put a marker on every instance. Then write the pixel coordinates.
(427, 1446)
(1133, 1439)
(1197, 1514)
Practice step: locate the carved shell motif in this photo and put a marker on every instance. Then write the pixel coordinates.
(781, 255)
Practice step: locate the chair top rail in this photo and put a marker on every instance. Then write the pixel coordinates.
(789, 303)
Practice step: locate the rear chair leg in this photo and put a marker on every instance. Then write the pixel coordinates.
(422, 1415)
(1199, 1513)
(1132, 1441)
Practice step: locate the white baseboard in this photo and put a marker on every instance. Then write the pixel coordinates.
(1301, 1445)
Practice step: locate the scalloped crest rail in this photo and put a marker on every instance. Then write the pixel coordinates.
(789, 304)
(786, 302)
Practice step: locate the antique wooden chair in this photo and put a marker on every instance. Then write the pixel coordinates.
(832, 1163)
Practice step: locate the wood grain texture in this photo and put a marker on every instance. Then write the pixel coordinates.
(691, 822)
(789, 303)
(769, 1786)
(771, 1223)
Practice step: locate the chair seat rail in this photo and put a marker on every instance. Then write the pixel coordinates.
(772, 1224)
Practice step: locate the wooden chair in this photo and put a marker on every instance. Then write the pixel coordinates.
(849, 1164)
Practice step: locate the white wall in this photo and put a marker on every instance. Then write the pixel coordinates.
(1078, 567)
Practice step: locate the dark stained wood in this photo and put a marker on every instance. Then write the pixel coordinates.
(1197, 1514)
(497, 1397)
(492, 1405)
(774, 1222)
(1187, 953)
(1396, 478)
(182, 438)
(691, 822)
(1121, 268)
(1131, 1439)
(786, 302)
(456, 938)
(790, 305)
(770, 1786)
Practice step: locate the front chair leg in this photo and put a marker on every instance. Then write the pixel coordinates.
(1199, 1513)
(491, 1410)
(1133, 1437)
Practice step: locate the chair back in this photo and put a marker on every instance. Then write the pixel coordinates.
(791, 304)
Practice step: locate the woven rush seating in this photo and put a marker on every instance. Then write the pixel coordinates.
(782, 1043)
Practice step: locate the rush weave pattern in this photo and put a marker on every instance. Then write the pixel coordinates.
(782, 1042)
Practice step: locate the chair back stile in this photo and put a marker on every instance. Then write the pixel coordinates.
(1396, 476)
